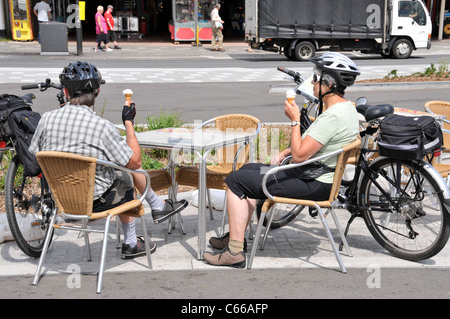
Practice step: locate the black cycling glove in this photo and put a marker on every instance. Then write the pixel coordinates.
(128, 113)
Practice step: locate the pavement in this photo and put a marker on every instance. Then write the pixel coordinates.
(300, 245)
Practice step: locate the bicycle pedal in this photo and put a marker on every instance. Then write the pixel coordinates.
(313, 212)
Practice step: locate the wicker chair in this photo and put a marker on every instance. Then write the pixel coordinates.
(232, 158)
(330, 204)
(72, 179)
(441, 108)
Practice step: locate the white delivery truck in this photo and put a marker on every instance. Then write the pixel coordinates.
(297, 28)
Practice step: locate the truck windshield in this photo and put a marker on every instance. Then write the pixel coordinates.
(412, 9)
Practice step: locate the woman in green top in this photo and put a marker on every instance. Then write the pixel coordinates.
(337, 125)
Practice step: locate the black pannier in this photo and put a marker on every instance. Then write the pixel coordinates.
(409, 137)
(19, 122)
(8, 104)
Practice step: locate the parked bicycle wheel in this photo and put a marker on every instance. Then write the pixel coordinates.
(28, 208)
(282, 214)
(413, 225)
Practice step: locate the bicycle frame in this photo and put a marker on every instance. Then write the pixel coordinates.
(363, 167)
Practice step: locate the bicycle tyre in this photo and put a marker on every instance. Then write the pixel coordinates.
(283, 214)
(417, 227)
(24, 208)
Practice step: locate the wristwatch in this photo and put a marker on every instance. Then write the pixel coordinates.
(294, 123)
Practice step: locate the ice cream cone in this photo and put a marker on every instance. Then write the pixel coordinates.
(127, 93)
(290, 96)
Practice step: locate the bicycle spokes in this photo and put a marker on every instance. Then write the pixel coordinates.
(402, 207)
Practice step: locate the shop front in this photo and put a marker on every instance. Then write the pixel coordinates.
(159, 20)
(191, 20)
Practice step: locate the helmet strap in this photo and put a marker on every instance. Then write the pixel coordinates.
(321, 96)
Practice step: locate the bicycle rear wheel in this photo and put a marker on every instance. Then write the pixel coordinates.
(408, 219)
(283, 214)
(28, 208)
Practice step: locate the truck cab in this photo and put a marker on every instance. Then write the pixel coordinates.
(410, 28)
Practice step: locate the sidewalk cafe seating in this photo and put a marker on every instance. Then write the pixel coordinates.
(343, 155)
(71, 179)
(441, 108)
(231, 158)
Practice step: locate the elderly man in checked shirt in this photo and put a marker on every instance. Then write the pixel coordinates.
(76, 129)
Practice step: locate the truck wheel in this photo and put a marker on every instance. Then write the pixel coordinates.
(447, 30)
(304, 51)
(402, 49)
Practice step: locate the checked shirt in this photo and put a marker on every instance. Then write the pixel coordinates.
(76, 129)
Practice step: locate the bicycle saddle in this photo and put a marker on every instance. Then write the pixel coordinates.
(28, 98)
(372, 112)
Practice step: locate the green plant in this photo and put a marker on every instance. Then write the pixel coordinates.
(442, 68)
(429, 71)
(164, 119)
(148, 162)
(392, 74)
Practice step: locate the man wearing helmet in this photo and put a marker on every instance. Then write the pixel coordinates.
(335, 126)
(76, 129)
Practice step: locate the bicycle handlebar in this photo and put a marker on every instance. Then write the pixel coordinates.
(298, 78)
(42, 86)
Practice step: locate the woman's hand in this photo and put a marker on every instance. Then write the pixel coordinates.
(292, 111)
(277, 159)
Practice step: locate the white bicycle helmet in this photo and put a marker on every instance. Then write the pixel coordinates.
(339, 66)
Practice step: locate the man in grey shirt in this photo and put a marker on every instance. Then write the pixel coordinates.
(76, 129)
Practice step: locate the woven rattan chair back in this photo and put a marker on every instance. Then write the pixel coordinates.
(234, 123)
(441, 108)
(71, 178)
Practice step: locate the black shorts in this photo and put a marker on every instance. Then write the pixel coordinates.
(247, 183)
(120, 192)
(112, 36)
(102, 37)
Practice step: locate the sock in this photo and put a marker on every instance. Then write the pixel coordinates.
(235, 246)
(129, 233)
(155, 202)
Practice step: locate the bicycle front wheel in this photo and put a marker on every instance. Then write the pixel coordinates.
(402, 208)
(28, 208)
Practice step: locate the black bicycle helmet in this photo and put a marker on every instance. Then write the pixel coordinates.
(340, 67)
(81, 77)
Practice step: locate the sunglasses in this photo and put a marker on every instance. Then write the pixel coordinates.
(316, 78)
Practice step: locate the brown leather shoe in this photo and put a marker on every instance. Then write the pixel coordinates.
(222, 242)
(225, 257)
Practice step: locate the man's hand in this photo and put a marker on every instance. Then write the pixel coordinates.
(128, 112)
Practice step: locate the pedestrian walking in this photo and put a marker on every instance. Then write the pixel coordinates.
(101, 30)
(110, 26)
(217, 26)
(42, 11)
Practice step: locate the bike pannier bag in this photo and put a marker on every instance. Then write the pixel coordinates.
(409, 137)
(8, 104)
(23, 124)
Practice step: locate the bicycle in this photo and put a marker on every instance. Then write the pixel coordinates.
(28, 201)
(404, 203)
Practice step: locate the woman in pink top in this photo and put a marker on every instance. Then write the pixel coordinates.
(100, 29)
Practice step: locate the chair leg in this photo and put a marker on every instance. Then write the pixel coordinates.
(341, 232)
(103, 256)
(330, 238)
(147, 241)
(87, 246)
(271, 213)
(224, 214)
(48, 237)
(117, 232)
(255, 241)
